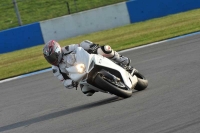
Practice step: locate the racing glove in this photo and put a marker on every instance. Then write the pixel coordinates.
(75, 84)
(69, 84)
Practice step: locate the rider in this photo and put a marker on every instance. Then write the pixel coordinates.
(60, 58)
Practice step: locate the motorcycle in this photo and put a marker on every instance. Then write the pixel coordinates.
(100, 74)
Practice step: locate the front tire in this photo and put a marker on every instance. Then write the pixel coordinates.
(105, 85)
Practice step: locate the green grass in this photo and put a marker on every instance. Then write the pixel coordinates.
(38, 10)
(28, 60)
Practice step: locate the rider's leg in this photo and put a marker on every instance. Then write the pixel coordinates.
(107, 51)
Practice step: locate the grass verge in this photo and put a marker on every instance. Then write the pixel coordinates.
(38, 10)
(31, 59)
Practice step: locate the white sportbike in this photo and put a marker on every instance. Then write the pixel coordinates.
(103, 75)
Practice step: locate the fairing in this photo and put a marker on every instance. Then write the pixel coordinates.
(87, 59)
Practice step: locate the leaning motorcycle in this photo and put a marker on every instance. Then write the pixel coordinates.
(103, 75)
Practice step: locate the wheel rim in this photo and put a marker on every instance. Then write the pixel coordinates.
(118, 83)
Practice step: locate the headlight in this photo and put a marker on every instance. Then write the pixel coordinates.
(80, 68)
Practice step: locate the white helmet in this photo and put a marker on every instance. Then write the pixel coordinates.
(52, 52)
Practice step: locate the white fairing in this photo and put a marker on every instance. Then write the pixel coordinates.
(103, 61)
(82, 57)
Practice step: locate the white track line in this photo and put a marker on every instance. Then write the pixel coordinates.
(123, 51)
(25, 75)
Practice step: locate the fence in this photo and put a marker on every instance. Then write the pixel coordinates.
(30, 11)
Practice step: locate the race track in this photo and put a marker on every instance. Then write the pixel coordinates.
(171, 103)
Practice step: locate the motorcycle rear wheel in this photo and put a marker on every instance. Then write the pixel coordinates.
(142, 82)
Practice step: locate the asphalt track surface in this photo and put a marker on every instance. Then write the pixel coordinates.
(170, 104)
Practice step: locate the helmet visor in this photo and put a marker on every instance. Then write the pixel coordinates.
(52, 59)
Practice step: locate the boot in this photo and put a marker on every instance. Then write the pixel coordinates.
(122, 61)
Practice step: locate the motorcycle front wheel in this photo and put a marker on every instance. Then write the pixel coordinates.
(116, 88)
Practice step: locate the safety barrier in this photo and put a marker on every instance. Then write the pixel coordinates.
(141, 10)
(20, 37)
(85, 22)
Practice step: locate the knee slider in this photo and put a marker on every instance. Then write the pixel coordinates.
(106, 51)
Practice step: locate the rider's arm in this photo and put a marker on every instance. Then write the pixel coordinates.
(87, 45)
(70, 48)
(68, 83)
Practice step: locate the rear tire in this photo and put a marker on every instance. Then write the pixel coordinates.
(113, 89)
(142, 81)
